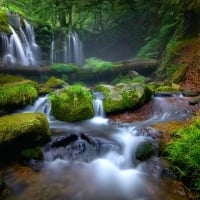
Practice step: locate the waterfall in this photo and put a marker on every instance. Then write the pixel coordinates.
(98, 104)
(20, 47)
(69, 50)
(42, 104)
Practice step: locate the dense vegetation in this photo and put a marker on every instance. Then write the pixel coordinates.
(184, 154)
(113, 30)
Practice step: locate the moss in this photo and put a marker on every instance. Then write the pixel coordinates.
(17, 125)
(144, 151)
(7, 78)
(123, 96)
(23, 130)
(72, 104)
(179, 74)
(52, 84)
(17, 95)
(166, 88)
(32, 153)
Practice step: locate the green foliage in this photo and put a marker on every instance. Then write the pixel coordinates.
(4, 21)
(98, 65)
(72, 104)
(184, 154)
(127, 79)
(153, 47)
(64, 68)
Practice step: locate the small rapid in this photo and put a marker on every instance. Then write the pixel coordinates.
(97, 158)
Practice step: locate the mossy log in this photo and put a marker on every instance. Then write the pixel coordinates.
(143, 67)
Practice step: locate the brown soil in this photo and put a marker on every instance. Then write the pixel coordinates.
(189, 54)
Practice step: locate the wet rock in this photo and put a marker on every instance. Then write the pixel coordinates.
(79, 146)
(190, 93)
(64, 140)
(195, 100)
(148, 132)
(144, 151)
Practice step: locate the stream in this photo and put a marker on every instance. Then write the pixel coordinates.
(96, 159)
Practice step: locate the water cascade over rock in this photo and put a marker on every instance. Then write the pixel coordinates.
(67, 50)
(20, 48)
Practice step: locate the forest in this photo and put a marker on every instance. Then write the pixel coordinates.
(105, 93)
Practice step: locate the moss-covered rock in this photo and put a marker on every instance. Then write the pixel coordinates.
(144, 151)
(23, 130)
(15, 95)
(123, 96)
(72, 104)
(52, 84)
(32, 153)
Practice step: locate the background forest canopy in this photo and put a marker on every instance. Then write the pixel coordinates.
(107, 24)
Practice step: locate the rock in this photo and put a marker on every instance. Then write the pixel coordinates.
(122, 96)
(21, 131)
(15, 95)
(74, 103)
(64, 140)
(32, 154)
(144, 151)
(51, 84)
(190, 93)
(195, 100)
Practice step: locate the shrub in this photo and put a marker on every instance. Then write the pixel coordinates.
(97, 64)
(64, 68)
(184, 154)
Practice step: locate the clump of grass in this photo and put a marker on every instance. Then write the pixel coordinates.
(64, 68)
(184, 154)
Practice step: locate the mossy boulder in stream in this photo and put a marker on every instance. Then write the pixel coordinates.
(52, 84)
(22, 130)
(122, 96)
(16, 93)
(74, 103)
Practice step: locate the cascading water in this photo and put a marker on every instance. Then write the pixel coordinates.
(20, 47)
(89, 160)
(69, 50)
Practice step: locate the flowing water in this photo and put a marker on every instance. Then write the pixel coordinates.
(96, 159)
(20, 48)
(67, 50)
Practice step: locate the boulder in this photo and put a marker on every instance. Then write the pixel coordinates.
(122, 96)
(51, 84)
(21, 131)
(16, 93)
(74, 103)
(144, 151)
